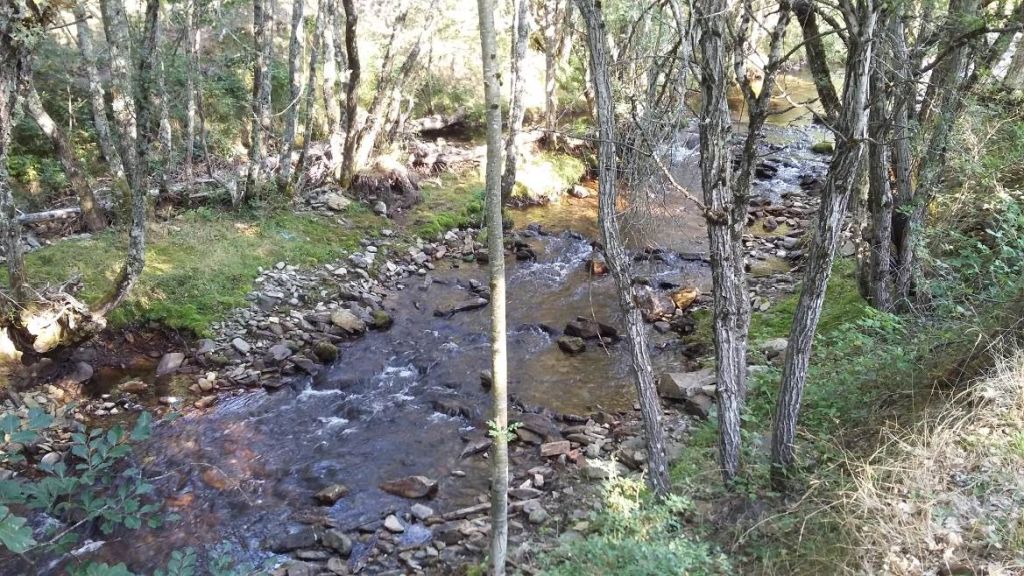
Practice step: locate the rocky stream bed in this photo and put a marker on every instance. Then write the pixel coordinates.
(337, 424)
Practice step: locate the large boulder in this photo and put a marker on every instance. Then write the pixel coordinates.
(694, 390)
(411, 487)
(588, 329)
(654, 304)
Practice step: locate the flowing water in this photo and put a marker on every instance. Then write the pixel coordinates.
(247, 469)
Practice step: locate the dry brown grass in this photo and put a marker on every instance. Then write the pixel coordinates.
(947, 497)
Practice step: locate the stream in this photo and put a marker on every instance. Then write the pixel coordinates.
(245, 471)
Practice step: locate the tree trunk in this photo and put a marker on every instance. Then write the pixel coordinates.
(14, 70)
(618, 261)
(496, 264)
(309, 101)
(94, 218)
(516, 112)
(284, 174)
(817, 57)
(262, 42)
(879, 192)
(351, 92)
(191, 73)
(553, 11)
(730, 308)
(96, 96)
(1014, 78)
(332, 107)
(126, 112)
(842, 174)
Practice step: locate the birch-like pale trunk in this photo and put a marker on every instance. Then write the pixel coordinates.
(260, 120)
(516, 111)
(615, 254)
(97, 100)
(496, 265)
(191, 76)
(125, 114)
(284, 174)
(1014, 78)
(879, 191)
(861, 16)
(553, 16)
(92, 214)
(309, 99)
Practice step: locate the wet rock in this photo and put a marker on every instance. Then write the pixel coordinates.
(653, 304)
(452, 407)
(205, 402)
(336, 565)
(571, 344)
(452, 309)
(339, 542)
(695, 390)
(823, 147)
(421, 512)
(241, 346)
(347, 321)
(588, 329)
(486, 380)
(684, 297)
(393, 524)
(476, 446)
(134, 386)
(331, 494)
(540, 425)
(529, 436)
(596, 265)
(382, 320)
(305, 537)
(81, 374)
(325, 351)
(411, 487)
(306, 365)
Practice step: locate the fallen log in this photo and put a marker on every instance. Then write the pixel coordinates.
(50, 215)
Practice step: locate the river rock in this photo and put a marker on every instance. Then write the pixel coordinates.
(486, 380)
(134, 386)
(242, 346)
(540, 425)
(411, 487)
(82, 373)
(393, 524)
(169, 363)
(278, 353)
(684, 297)
(571, 344)
(452, 309)
(654, 305)
(452, 407)
(205, 402)
(421, 512)
(331, 494)
(205, 346)
(325, 351)
(557, 448)
(347, 321)
(588, 329)
(50, 459)
(695, 390)
(577, 191)
(305, 537)
(596, 265)
(338, 541)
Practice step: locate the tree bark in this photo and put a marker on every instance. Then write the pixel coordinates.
(817, 57)
(351, 91)
(835, 196)
(618, 261)
(1014, 78)
(879, 191)
(516, 112)
(96, 94)
(126, 113)
(94, 218)
(284, 174)
(332, 106)
(14, 70)
(262, 42)
(552, 15)
(309, 101)
(496, 265)
(191, 74)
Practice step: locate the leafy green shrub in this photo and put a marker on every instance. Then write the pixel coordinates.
(94, 485)
(635, 536)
